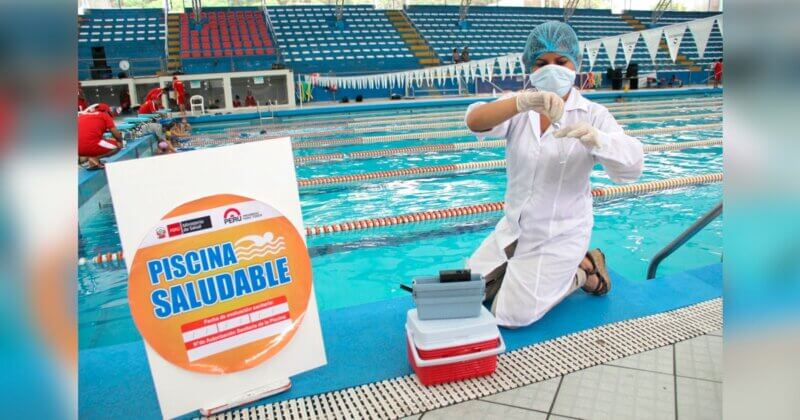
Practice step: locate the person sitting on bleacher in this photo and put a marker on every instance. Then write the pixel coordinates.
(456, 56)
(92, 144)
(465, 55)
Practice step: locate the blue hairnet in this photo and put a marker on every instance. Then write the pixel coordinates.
(551, 36)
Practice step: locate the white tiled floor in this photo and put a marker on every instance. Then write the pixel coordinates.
(681, 381)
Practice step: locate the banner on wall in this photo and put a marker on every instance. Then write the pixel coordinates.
(220, 283)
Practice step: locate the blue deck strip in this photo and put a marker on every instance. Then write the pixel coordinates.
(366, 343)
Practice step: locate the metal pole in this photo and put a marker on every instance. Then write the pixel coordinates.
(682, 239)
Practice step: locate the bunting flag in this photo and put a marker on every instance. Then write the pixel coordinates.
(507, 65)
(629, 42)
(652, 38)
(701, 31)
(592, 48)
(674, 36)
(611, 44)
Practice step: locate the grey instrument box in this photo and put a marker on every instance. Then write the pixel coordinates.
(457, 299)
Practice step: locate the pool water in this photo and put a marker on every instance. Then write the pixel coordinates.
(363, 266)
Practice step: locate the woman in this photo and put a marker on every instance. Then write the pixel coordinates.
(537, 254)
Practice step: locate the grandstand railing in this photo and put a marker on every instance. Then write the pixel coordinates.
(271, 29)
(141, 66)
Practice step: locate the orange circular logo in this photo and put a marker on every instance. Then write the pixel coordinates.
(221, 284)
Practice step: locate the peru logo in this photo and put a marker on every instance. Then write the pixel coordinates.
(232, 215)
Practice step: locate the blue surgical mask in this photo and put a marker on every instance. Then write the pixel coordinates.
(553, 78)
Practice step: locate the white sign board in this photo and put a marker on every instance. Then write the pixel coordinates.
(158, 203)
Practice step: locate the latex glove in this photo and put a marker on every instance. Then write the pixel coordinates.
(583, 131)
(547, 103)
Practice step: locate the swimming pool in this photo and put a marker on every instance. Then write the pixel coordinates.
(363, 266)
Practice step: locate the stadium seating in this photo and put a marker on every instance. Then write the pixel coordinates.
(226, 39)
(688, 48)
(311, 41)
(495, 31)
(135, 35)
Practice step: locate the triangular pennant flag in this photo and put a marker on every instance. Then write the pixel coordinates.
(719, 25)
(521, 64)
(629, 41)
(592, 47)
(674, 36)
(611, 43)
(652, 38)
(701, 31)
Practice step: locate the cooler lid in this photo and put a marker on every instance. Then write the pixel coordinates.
(437, 334)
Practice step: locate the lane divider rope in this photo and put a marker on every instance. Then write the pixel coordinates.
(454, 122)
(423, 216)
(367, 121)
(466, 166)
(472, 209)
(460, 123)
(309, 144)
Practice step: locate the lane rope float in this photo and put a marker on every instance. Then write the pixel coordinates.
(472, 209)
(464, 167)
(408, 218)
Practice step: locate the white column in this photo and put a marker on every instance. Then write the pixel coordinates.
(227, 91)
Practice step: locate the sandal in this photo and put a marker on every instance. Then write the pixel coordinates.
(598, 260)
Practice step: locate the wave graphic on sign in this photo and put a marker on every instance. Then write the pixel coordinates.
(253, 246)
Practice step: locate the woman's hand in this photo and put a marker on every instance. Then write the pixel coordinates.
(546, 103)
(583, 131)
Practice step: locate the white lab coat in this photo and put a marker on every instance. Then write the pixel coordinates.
(548, 206)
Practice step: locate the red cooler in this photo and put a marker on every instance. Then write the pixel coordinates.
(445, 350)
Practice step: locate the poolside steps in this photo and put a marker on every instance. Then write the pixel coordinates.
(420, 48)
(174, 42)
(634, 23)
(680, 59)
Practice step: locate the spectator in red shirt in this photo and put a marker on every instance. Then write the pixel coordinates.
(149, 107)
(717, 72)
(180, 94)
(124, 101)
(249, 100)
(237, 103)
(154, 94)
(92, 145)
(82, 102)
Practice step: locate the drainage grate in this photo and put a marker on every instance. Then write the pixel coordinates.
(404, 396)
